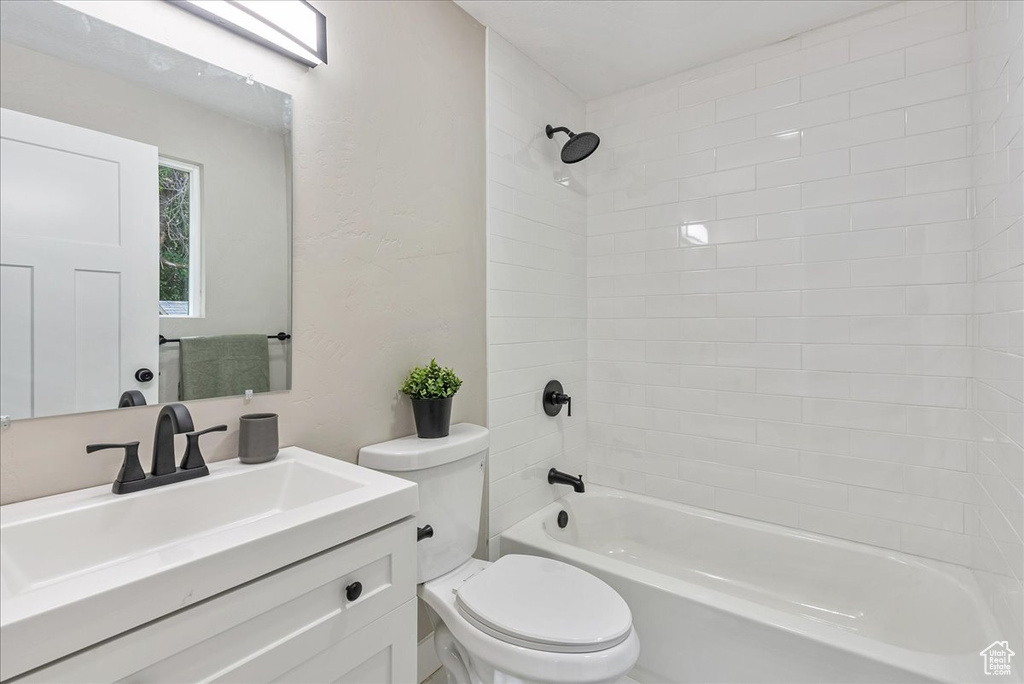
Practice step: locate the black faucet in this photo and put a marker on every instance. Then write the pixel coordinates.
(173, 419)
(558, 477)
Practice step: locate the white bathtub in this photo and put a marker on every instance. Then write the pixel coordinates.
(717, 598)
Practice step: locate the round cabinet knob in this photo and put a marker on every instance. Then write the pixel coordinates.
(143, 375)
(353, 591)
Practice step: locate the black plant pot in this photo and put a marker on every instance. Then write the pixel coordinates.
(433, 417)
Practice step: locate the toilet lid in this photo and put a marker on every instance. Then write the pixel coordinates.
(544, 604)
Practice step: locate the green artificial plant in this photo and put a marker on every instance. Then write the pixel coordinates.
(431, 382)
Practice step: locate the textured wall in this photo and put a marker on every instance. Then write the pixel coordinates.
(389, 237)
(996, 518)
(778, 283)
(536, 297)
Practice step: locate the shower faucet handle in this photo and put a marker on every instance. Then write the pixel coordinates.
(564, 399)
(555, 398)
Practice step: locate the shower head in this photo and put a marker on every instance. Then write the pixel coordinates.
(578, 147)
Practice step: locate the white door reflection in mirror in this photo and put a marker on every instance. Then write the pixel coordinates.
(79, 217)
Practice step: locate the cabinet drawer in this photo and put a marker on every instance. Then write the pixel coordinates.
(303, 606)
(383, 651)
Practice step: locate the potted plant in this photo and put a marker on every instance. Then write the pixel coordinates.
(431, 389)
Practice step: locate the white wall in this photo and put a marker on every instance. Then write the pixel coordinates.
(778, 283)
(996, 390)
(536, 274)
(246, 244)
(389, 238)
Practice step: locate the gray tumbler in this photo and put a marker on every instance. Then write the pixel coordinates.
(257, 437)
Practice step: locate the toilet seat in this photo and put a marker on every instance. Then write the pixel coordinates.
(545, 605)
(481, 651)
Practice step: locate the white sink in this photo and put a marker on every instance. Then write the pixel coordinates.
(81, 567)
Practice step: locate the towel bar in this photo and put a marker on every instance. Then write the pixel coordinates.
(279, 336)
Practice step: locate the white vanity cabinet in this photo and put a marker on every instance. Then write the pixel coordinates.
(293, 625)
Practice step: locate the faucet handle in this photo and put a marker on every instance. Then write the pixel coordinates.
(131, 469)
(193, 456)
(562, 399)
(554, 398)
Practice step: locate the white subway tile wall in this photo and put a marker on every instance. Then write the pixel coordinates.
(536, 296)
(995, 514)
(783, 287)
(788, 286)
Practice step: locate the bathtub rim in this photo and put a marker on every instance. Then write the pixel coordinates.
(955, 668)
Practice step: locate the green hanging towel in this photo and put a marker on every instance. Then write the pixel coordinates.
(223, 365)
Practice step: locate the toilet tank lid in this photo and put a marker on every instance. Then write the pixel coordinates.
(413, 453)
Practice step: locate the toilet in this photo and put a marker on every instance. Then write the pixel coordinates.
(521, 619)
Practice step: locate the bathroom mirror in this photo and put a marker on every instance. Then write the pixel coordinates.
(145, 207)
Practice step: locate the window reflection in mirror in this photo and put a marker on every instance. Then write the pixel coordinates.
(180, 244)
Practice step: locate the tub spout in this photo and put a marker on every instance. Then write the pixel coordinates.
(558, 477)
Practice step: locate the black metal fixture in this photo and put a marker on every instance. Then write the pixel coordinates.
(558, 477)
(143, 375)
(554, 398)
(173, 419)
(174, 340)
(578, 147)
(563, 519)
(354, 591)
(131, 398)
(131, 469)
(193, 456)
(425, 532)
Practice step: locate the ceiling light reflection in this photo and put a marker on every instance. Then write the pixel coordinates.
(693, 234)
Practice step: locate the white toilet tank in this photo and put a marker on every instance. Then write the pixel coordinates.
(450, 475)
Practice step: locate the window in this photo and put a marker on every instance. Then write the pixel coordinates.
(180, 265)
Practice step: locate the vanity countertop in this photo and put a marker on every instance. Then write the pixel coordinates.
(84, 566)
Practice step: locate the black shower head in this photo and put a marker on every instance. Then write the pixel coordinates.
(578, 147)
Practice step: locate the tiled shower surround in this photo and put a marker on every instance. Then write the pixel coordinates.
(803, 288)
(995, 515)
(781, 282)
(537, 285)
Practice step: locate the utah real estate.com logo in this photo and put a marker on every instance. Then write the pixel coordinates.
(997, 658)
